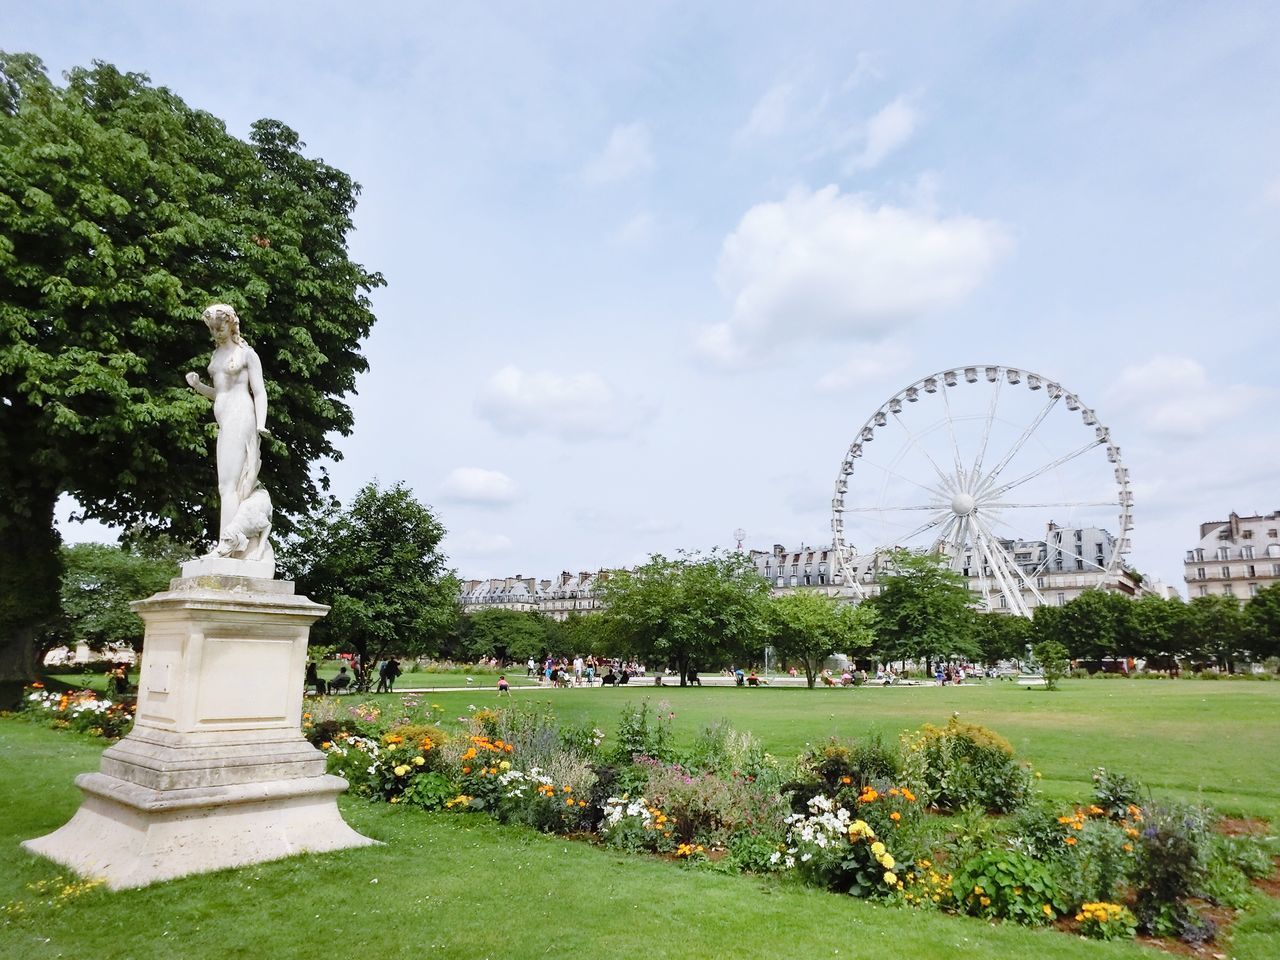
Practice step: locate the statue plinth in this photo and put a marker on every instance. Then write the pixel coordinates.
(216, 772)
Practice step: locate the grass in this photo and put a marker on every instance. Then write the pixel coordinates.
(462, 886)
(1189, 739)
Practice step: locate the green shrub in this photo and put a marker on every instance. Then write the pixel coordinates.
(710, 810)
(963, 764)
(643, 731)
(1094, 868)
(1007, 885)
(1119, 795)
(1173, 848)
(1106, 921)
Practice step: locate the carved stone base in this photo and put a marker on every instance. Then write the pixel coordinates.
(131, 835)
(216, 772)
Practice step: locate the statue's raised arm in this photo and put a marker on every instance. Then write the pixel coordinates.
(239, 398)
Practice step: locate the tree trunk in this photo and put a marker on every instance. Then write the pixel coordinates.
(682, 665)
(30, 577)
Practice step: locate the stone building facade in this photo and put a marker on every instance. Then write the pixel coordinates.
(1235, 557)
(569, 593)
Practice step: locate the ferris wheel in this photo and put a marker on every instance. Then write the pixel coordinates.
(1005, 473)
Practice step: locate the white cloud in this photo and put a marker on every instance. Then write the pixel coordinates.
(579, 407)
(889, 129)
(869, 364)
(478, 543)
(1272, 192)
(1173, 397)
(769, 116)
(637, 231)
(627, 154)
(479, 486)
(826, 264)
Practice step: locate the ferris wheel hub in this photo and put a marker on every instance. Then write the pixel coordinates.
(962, 504)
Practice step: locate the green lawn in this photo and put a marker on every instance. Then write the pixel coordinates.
(461, 886)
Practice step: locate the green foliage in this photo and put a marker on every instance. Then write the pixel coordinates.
(850, 766)
(710, 809)
(1116, 793)
(1092, 625)
(123, 214)
(1052, 657)
(379, 567)
(1263, 622)
(962, 764)
(808, 627)
(1216, 630)
(1095, 867)
(692, 612)
(1007, 885)
(923, 609)
(643, 732)
(1107, 921)
(513, 635)
(1173, 849)
(98, 584)
(999, 636)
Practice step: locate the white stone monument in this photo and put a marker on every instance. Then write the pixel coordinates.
(216, 772)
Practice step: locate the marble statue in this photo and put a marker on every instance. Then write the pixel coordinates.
(240, 407)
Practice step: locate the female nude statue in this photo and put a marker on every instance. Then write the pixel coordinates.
(240, 407)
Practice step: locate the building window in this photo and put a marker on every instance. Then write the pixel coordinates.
(1227, 591)
(1204, 591)
(1199, 555)
(822, 578)
(807, 581)
(779, 581)
(794, 578)
(1253, 589)
(1079, 564)
(1246, 553)
(1275, 569)
(1040, 583)
(1200, 573)
(1224, 553)
(1249, 571)
(1062, 599)
(1226, 573)
(1004, 601)
(1248, 534)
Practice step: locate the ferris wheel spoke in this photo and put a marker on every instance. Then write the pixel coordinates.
(1065, 458)
(986, 429)
(1001, 505)
(940, 518)
(948, 482)
(927, 506)
(1006, 572)
(934, 491)
(1018, 574)
(944, 534)
(955, 444)
(1019, 443)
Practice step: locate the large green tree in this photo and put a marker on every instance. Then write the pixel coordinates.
(1092, 626)
(1262, 617)
(810, 626)
(505, 634)
(1216, 631)
(695, 611)
(923, 609)
(379, 566)
(99, 581)
(123, 214)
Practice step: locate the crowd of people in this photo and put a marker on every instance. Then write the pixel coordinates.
(583, 671)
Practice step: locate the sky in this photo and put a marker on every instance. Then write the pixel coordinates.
(652, 266)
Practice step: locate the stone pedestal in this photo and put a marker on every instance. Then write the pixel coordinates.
(215, 772)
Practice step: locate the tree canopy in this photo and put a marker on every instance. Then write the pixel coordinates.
(810, 626)
(379, 567)
(695, 611)
(124, 212)
(923, 609)
(99, 581)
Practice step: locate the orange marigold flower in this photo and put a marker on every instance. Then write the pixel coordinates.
(1069, 841)
(846, 779)
(895, 816)
(466, 769)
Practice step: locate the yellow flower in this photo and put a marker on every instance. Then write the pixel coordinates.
(1048, 910)
(401, 770)
(887, 861)
(417, 761)
(505, 765)
(985, 901)
(978, 890)
(877, 849)
(890, 877)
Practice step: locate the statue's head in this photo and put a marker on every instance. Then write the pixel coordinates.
(222, 322)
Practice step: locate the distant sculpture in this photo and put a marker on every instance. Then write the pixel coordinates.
(240, 407)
